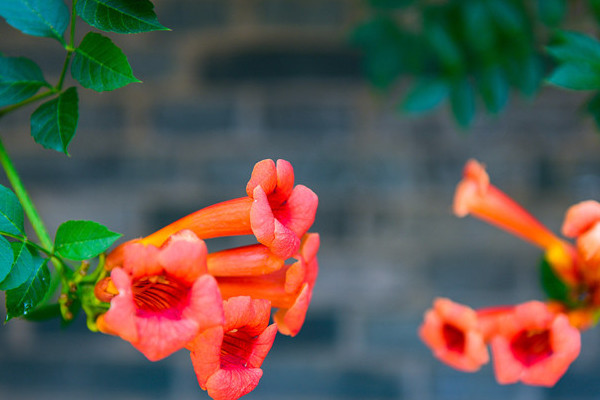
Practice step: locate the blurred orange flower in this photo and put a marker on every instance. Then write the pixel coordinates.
(534, 345)
(454, 334)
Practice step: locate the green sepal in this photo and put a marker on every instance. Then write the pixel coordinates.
(82, 240)
(23, 299)
(54, 123)
(554, 287)
(20, 78)
(47, 18)
(121, 16)
(11, 213)
(98, 64)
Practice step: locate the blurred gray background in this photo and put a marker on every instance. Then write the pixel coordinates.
(237, 81)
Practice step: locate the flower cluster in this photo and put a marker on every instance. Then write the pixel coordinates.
(534, 342)
(167, 292)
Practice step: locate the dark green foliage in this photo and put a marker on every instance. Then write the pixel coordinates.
(53, 124)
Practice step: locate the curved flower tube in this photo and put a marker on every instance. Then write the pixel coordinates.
(161, 297)
(227, 358)
(534, 345)
(288, 289)
(454, 334)
(276, 212)
(476, 196)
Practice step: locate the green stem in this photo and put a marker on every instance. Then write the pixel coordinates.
(28, 242)
(23, 196)
(25, 102)
(70, 50)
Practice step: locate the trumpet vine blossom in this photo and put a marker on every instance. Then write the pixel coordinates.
(227, 358)
(161, 297)
(167, 292)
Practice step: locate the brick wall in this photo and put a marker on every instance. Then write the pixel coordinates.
(238, 81)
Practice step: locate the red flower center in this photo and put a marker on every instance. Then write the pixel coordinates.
(530, 347)
(236, 349)
(158, 293)
(454, 337)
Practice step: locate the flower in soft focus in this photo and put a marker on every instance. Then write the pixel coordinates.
(476, 196)
(454, 334)
(582, 221)
(161, 297)
(289, 289)
(534, 345)
(275, 211)
(227, 358)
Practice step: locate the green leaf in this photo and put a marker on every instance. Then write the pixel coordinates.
(576, 76)
(100, 65)
(462, 102)
(20, 78)
(48, 18)
(11, 213)
(54, 123)
(494, 89)
(44, 313)
(593, 107)
(121, 16)
(551, 11)
(6, 258)
(595, 8)
(81, 240)
(575, 47)
(553, 286)
(22, 267)
(23, 299)
(425, 95)
(390, 4)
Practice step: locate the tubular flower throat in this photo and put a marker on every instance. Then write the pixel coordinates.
(227, 358)
(454, 334)
(534, 345)
(475, 195)
(161, 297)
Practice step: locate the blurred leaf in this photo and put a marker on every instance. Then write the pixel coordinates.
(552, 11)
(6, 258)
(578, 58)
(54, 123)
(48, 18)
(462, 102)
(100, 65)
(11, 213)
(425, 95)
(576, 76)
(507, 16)
(477, 25)
(443, 44)
(593, 107)
(20, 78)
(81, 240)
(526, 73)
(553, 286)
(23, 299)
(494, 89)
(595, 7)
(121, 16)
(390, 4)
(575, 47)
(21, 268)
